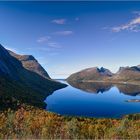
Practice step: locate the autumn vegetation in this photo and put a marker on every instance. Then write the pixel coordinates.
(31, 122)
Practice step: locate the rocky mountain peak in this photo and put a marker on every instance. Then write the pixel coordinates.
(104, 71)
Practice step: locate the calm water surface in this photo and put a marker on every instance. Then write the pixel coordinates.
(101, 100)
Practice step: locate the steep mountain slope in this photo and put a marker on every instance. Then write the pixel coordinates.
(94, 73)
(30, 63)
(24, 84)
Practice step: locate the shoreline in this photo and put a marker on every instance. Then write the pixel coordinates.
(111, 82)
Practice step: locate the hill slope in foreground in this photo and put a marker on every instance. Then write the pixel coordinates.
(33, 123)
(23, 80)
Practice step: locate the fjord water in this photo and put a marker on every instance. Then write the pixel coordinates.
(95, 100)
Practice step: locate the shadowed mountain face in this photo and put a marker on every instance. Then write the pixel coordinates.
(8, 64)
(24, 80)
(97, 87)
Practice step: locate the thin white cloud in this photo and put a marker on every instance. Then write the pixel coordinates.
(63, 33)
(54, 45)
(48, 45)
(43, 39)
(59, 21)
(133, 25)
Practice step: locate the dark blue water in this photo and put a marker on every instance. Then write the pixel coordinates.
(95, 100)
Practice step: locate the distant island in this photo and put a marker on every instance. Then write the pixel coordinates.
(133, 101)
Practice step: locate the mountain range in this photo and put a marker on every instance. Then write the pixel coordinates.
(124, 75)
(23, 80)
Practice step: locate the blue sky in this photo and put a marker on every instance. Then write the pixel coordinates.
(66, 37)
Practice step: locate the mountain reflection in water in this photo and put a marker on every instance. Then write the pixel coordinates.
(96, 99)
(97, 87)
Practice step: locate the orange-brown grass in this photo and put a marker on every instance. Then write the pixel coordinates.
(31, 122)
